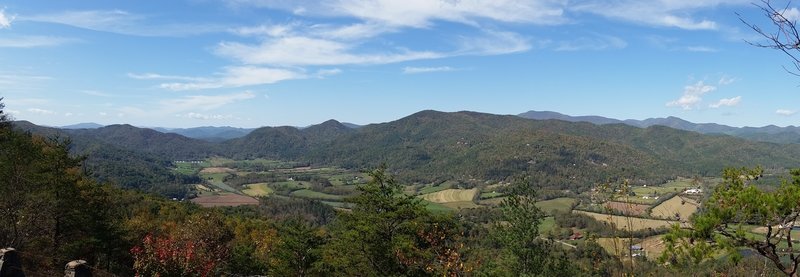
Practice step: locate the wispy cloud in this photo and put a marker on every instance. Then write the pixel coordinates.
(785, 112)
(202, 116)
(415, 70)
(701, 49)
(726, 102)
(155, 76)
(692, 95)
(676, 14)
(5, 19)
(41, 111)
(34, 41)
(204, 102)
(237, 76)
(123, 22)
(598, 42)
(423, 13)
(726, 80)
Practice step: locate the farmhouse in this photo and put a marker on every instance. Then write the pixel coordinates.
(693, 191)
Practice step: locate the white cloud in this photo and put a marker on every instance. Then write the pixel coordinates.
(692, 95)
(238, 76)
(154, 76)
(422, 13)
(701, 49)
(122, 22)
(598, 42)
(792, 14)
(726, 80)
(68, 114)
(784, 112)
(415, 70)
(203, 102)
(41, 111)
(5, 19)
(322, 73)
(12, 112)
(727, 102)
(667, 13)
(33, 41)
(201, 116)
(102, 113)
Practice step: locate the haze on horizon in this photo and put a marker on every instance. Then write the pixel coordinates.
(252, 63)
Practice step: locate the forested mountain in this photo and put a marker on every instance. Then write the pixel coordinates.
(433, 146)
(770, 133)
(208, 133)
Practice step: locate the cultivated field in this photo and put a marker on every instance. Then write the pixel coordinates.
(225, 200)
(212, 170)
(461, 205)
(681, 206)
(451, 195)
(628, 209)
(622, 222)
(563, 204)
(259, 189)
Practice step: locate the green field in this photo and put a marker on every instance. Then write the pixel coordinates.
(490, 195)
(259, 189)
(439, 187)
(547, 224)
(563, 204)
(436, 207)
(305, 193)
(215, 179)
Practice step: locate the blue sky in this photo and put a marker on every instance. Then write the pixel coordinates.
(253, 63)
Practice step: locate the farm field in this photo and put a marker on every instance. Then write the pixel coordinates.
(621, 222)
(306, 193)
(451, 195)
(258, 189)
(226, 200)
(677, 205)
(628, 209)
(460, 205)
(436, 188)
(563, 204)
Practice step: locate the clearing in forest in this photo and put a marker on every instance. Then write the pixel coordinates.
(258, 189)
(451, 195)
(622, 222)
(676, 208)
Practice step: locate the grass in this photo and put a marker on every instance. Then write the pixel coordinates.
(289, 185)
(675, 205)
(451, 195)
(547, 224)
(306, 193)
(436, 207)
(621, 222)
(563, 204)
(490, 195)
(216, 180)
(259, 189)
(436, 188)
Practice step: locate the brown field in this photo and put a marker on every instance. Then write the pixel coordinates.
(653, 246)
(628, 209)
(224, 200)
(636, 223)
(668, 209)
(210, 170)
(451, 195)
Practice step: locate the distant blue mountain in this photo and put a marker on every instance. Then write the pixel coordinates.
(770, 133)
(89, 125)
(208, 133)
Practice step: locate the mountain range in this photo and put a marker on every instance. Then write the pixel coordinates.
(770, 133)
(432, 146)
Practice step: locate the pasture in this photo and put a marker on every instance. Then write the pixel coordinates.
(451, 195)
(306, 193)
(224, 200)
(562, 204)
(677, 205)
(258, 189)
(627, 208)
(635, 223)
(436, 188)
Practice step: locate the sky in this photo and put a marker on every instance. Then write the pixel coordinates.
(251, 63)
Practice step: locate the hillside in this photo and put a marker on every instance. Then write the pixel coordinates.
(770, 133)
(432, 146)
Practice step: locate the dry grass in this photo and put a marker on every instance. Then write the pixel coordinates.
(628, 209)
(451, 195)
(622, 222)
(259, 189)
(225, 200)
(211, 170)
(677, 205)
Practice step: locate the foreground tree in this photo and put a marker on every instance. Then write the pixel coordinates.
(518, 233)
(727, 219)
(389, 233)
(782, 35)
